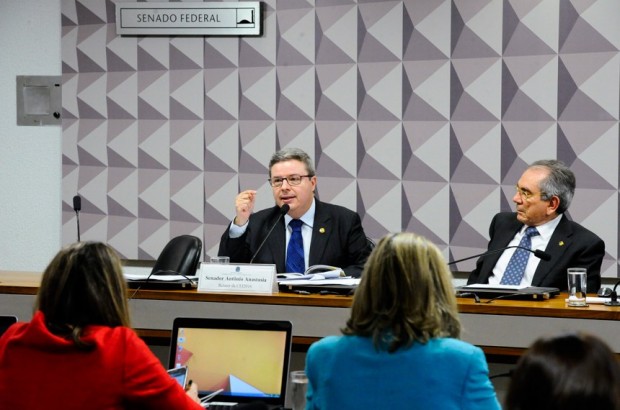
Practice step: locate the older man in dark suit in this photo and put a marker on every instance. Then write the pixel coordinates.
(312, 232)
(544, 193)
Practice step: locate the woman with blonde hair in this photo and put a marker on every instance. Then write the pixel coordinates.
(400, 347)
(78, 351)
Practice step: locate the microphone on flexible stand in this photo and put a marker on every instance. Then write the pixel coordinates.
(613, 301)
(77, 207)
(537, 252)
(283, 210)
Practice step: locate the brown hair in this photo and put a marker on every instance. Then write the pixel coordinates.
(405, 295)
(289, 154)
(83, 285)
(568, 372)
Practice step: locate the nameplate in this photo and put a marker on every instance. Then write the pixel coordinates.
(192, 18)
(237, 278)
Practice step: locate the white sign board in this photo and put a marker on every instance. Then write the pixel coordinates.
(212, 19)
(237, 278)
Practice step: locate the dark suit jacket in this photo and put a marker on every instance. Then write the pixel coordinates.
(338, 239)
(571, 245)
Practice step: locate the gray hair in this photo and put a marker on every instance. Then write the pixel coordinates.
(288, 154)
(560, 182)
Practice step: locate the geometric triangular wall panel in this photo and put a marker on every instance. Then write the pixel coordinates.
(420, 115)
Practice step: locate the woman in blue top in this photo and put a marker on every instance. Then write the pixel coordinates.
(400, 348)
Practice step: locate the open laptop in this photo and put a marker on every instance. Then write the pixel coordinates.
(506, 292)
(248, 359)
(5, 322)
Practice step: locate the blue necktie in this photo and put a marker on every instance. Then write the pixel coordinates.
(295, 252)
(516, 266)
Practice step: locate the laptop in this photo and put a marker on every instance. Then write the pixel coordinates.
(5, 322)
(331, 289)
(506, 292)
(248, 359)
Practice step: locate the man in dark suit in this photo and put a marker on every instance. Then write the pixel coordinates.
(544, 193)
(332, 235)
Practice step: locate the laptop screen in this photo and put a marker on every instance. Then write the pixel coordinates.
(5, 322)
(248, 359)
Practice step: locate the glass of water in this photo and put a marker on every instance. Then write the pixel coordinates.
(299, 383)
(577, 283)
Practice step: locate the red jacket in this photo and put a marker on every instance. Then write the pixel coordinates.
(39, 370)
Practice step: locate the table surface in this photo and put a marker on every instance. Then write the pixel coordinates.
(27, 283)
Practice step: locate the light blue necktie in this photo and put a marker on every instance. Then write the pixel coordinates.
(295, 251)
(516, 266)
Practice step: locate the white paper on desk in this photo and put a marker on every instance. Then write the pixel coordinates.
(162, 278)
(487, 286)
(314, 282)
(312, 276)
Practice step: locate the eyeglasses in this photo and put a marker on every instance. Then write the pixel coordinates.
(291, 179)
(527, 195)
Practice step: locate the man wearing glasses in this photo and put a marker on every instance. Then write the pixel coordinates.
(311, 233)
(544, 193)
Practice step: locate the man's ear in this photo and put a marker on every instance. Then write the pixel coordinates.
(554, 203)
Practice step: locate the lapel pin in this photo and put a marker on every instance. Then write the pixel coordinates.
(561, 243)
(322, 230)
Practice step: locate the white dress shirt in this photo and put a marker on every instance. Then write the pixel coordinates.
(538, 242)
(236, 231)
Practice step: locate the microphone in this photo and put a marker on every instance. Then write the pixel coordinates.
(77, 203)
(537, 252)
(283, 210)
(614, 297)
(77, 207)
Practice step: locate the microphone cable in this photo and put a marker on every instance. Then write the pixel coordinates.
(467, 294)
(507, 374)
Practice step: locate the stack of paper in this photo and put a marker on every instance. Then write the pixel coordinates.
(315, 272)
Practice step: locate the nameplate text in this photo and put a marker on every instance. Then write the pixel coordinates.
(237, 278)
(212, 19)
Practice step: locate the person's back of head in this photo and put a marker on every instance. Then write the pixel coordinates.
(83, 285)
(405, 294)
(568, 372)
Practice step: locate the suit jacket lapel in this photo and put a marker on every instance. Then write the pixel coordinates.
(501, 240)
(321, 232)
(558, 244)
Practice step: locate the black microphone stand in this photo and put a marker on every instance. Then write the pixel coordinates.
(77, 215)
(476, 256)
(77, 206)
(613, 301)
(283, 210)
(537, 252)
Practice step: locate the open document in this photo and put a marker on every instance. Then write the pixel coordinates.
(314, 272)
(313, 282)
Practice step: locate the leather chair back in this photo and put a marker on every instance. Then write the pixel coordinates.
(180, 256)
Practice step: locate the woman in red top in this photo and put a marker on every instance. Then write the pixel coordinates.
(78, 352)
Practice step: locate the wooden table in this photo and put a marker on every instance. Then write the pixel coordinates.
(501, 328)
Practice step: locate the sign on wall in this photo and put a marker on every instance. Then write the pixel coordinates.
(213, 19)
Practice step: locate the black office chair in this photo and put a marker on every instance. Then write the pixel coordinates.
(180, 256)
